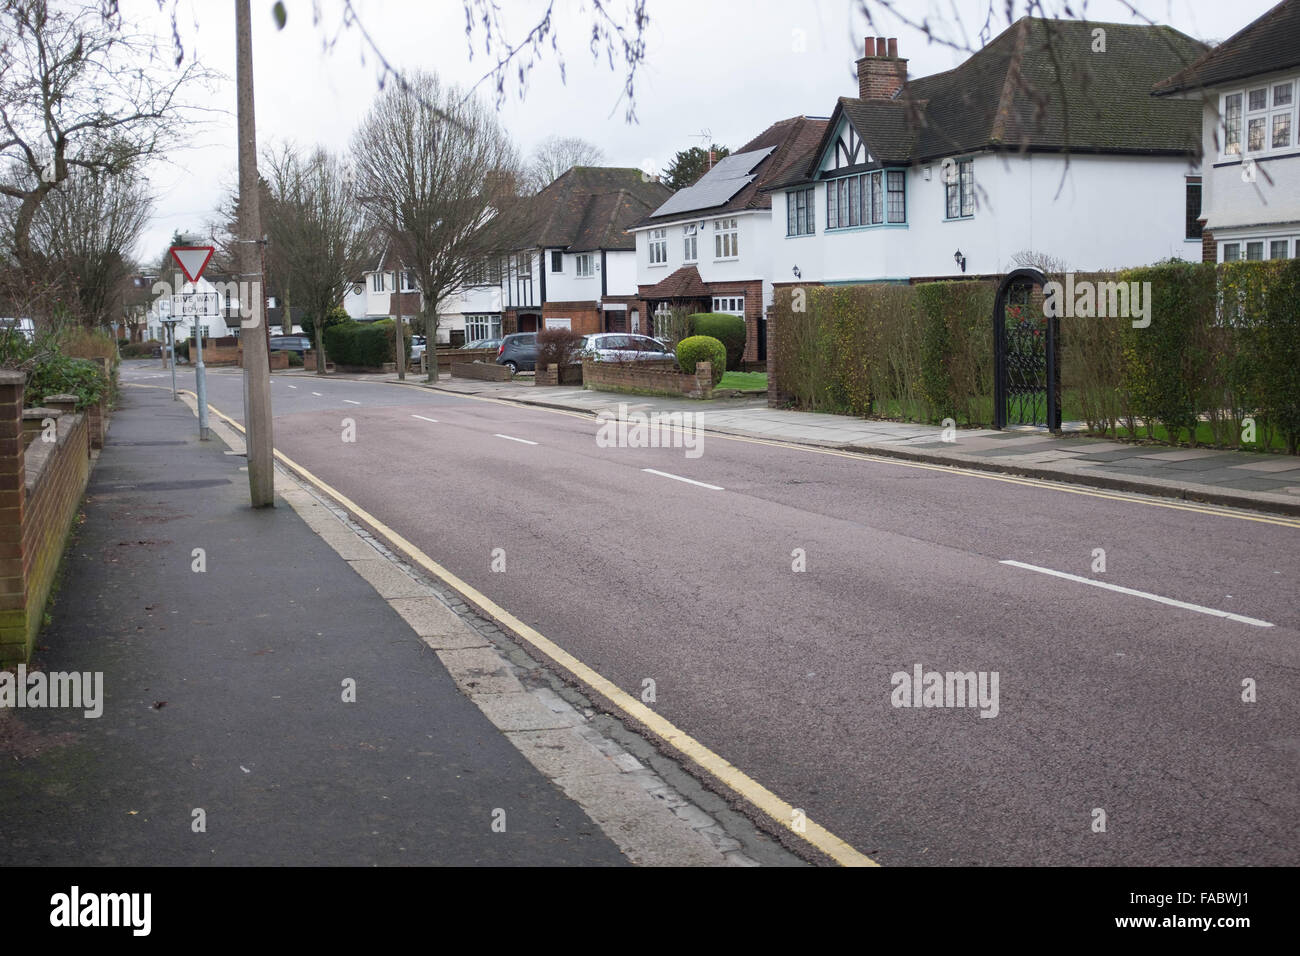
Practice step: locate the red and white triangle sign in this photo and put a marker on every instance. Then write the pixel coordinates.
(193, 259)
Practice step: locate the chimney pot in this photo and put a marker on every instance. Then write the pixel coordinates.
(893, 48)
(882, 47)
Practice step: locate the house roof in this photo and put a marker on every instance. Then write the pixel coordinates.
(586, 208)
(788, 145)
(685, 283)
(1268, 45)
(1037, 86)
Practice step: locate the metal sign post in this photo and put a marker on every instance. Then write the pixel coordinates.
(171, 345)
(193, 260)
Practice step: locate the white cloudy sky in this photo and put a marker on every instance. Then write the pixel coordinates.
(728, 67)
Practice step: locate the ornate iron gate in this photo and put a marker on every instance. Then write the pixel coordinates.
(1026, 355)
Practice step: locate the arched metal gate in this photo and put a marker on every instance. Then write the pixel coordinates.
(1026, 355)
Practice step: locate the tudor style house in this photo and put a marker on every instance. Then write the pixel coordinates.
(565, 257)
(1044, 145)
(709, 248)
(1248, 89)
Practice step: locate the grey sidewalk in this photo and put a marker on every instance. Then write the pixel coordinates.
(223, 693)
(1232, 478)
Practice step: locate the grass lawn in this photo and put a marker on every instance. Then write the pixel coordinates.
(744, 381)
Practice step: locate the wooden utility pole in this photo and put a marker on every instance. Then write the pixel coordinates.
(257, 361)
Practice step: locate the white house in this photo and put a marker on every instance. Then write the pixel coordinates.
(972, 171)
(566, 257)
(710, 247)
(1249, 91)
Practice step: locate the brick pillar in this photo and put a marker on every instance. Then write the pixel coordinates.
(703, 380)
(13, 490)
(33, 420)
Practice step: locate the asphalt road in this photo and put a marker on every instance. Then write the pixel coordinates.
(1107, 701)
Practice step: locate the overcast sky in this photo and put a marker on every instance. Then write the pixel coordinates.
(722, 67)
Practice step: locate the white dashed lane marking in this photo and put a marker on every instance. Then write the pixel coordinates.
(689, 481)
(1199, 609)
(522, 441)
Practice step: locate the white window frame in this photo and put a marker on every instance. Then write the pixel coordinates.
(660, 320)
(482, 326)
(726, 239)
(729, 305)
(962, 178)
(584, 265)
(377, 281)
(557, 255)
(1276, 106)
(690, 243)
(658, 247)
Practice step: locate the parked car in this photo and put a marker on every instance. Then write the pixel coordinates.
(518, 352)
(290, 343)
(620, 347)
(417, 347)
(483, 344)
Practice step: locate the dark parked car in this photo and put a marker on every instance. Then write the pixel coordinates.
(518, 352)
(290, 343)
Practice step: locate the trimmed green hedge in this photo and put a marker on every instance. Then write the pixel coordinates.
(702, 348)
(365, 344)
(1222, 351)
(728, 329)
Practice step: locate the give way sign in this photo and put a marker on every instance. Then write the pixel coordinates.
(193, 259)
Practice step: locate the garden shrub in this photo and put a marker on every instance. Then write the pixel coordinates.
(728, 329)
(558, 347)
(702, 348)
(62, 374)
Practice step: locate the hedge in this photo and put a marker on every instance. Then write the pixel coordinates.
(728, 329)
(1222, 347)
(365, 344)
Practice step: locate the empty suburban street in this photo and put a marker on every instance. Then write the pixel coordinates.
(649, 564)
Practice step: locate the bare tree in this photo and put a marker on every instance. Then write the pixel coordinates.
(318, 231)
(84, 233)
(555, 156)
(77, 92)
(443, 161)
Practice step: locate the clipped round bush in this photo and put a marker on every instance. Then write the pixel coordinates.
(728, 329)
(702, 348)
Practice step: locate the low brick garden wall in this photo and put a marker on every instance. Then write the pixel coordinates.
(481, 371)
(41, 487)
(558, 375)
(637, 377)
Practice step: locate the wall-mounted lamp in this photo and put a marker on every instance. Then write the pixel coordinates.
(959, 259)
(797, 273)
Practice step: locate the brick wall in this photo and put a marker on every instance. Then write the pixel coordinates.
(585, 317)
(40, 491)
(665, 380)
(481, 371)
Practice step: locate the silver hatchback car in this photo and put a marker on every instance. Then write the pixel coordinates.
(621, 347)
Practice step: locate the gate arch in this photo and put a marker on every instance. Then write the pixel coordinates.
(1026, 354)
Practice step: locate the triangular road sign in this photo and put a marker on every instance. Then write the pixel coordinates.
(193, 259)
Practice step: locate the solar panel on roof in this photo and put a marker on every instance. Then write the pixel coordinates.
(728, 176)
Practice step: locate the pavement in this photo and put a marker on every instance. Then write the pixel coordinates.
(276, 691)
(1264, 482)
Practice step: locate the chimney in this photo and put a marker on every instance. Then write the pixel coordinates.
(881, 73)
(712, 158)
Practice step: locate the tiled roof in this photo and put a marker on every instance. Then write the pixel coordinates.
(794, 138)
(587, 208)
(1037, 86)
(685, 283)
(1270, 44)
